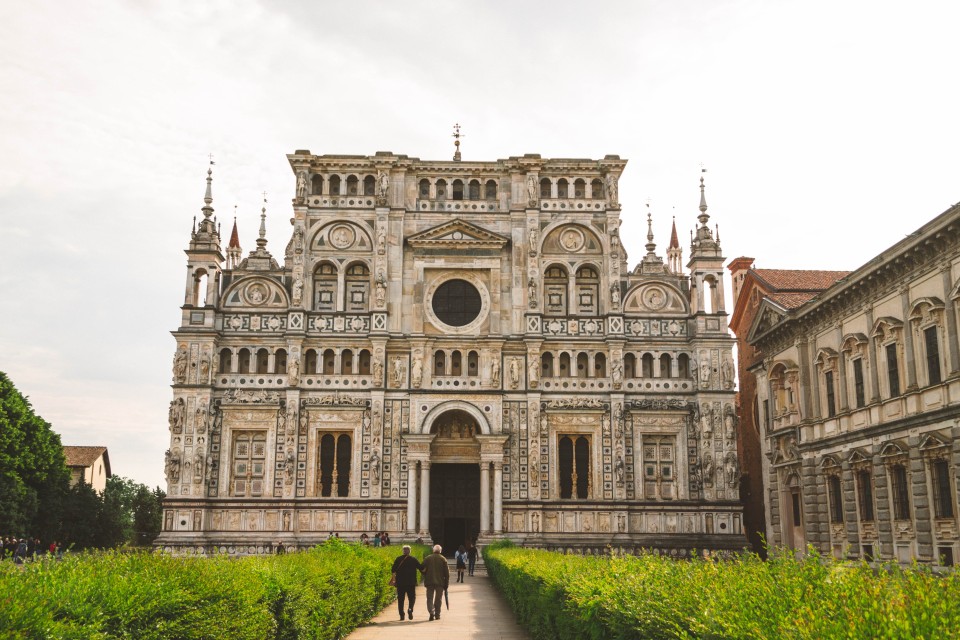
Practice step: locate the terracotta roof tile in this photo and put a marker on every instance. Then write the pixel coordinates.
(799, 279)
(792, 300)
(82, 456)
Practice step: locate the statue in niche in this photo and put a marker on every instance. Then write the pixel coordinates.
(302, 185)
(289, 466)
(382, 239)
(376, 419)
(374, 520)
(726, 371)
(790, 449)
(729, 422)
(705, 373)
(172, 466)
(286, 521)
(416, 371)
(205, 368)
(695, 373)
(304, 420)
(297, 239)
(543, 422)
(377, 370)
(533, 371)
(614, 239)
(399, 371)
(618, 419)
(375, 469)
(293, 370)
(706, 421)
(217, 415)
(731, 468)
(282, 419)
(532, 192)
(611, 180)
(619, 470)
(515, 372)
(178, 410)
(495, 371)
(534, 241)
(534, 467)
(180, 366)
(532, 285)
(535, 522)
(198, 465)
(201, 418)
(209, 467)
(381, 293)
(707, 469)
(621, 523)
(297, 289)
(383, 186)
(617, 373)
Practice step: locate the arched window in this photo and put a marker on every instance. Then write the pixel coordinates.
(456, 368)
(491, 190)
(424, 188)
(316, 185)
(573, 456)
(583, 365)
(546, 364)
(352, 184)
(629, 366)
(596, 189)
(474, 189)
(334, 185)
(280, 361)
(200, 288)
(346, 362)
(473, 364)
(600, 366)
(709, 295)
(325, 287)
(458, 189)
(333, 463)
(441, 189)
(364, 362)
(565, 369)
(646, 366)
(369, 186)
(439, 363)
(329, 363)
(562, 188)
(263, 360)
(243, 361)
(683, 365)
(545, 188)
(555, 291)
(588, 291)
(665, 364)
(310, 361)
(226, 360)
(356, 287)
(579, 188)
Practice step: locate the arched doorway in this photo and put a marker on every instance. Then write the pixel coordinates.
(454, 480)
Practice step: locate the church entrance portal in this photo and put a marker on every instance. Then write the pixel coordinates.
(454, 504)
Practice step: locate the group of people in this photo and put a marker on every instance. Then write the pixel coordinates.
(23, 549)
(381, 539)
(436, 577)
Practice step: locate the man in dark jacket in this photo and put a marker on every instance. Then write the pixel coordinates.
(436, 578)
(405, 569)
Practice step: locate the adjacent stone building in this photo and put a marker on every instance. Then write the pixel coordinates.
(858, 400)
(452, 350)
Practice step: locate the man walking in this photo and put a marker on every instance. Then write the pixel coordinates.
(436, 578)
(472, 556)
(404, 570)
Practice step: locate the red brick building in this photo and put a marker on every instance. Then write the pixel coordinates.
(784, 289)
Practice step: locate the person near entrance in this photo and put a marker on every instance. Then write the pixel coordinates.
(404, 570)
(461, 557)
(436, 578)
(472, 556)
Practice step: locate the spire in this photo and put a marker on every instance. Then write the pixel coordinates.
(703, 243)
(651, 245)
(262, 240)
(456, 142)
(208, 195)
(674, 241)
(234, 236)
(703, 217)
(674, 252)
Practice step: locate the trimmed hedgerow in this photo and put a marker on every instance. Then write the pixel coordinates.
(319, 594)
(618, 597)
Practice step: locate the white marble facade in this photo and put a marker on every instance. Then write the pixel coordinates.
(452, 350)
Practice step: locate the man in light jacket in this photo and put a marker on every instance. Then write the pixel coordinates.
(436, 578)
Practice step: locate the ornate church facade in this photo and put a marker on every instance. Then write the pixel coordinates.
(452, 350)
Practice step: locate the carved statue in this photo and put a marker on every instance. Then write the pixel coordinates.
(416, 371)
(535, 522)
(382, 239)
(180, 366)
(612, 189)
(515, 372)
(726, 370)
(731, 468)
(289, 466)
(399, 371)
(375, 469)
(383, 186)
(618, 420)
(302, 185)
(707, 469)
(205, 368)
(615, 295)
(617, 373)
(495, 372)
(790, 449)
(381, 294)
(200, 423)
(304, 420)
(705, 374)
(172, 466)
(534, 241)
(532, 191)
(619, 470)
(729, 422)
(293, 370)
(209, 467)
(377, 371)
(282, 419)
(198, 461)
(298, 239)
(533, 371)
(532, 286)
(534, 467)
(297, 289)
(178, 411)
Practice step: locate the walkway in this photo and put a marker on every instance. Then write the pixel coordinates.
(477, 611)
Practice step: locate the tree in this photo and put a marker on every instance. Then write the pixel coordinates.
(33, 473)
(81, 510)
(115, 521)
(147, 515)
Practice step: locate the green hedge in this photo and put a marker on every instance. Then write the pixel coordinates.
(319, 594)
(574, 597)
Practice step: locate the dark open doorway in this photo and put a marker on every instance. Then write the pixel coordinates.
(454, 504)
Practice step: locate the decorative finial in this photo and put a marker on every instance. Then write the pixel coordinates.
(703, 197)
(262, 240)
(208, 195)
(651, 245)
(456, 141)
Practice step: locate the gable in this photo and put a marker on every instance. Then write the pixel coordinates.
(457, 234)
(255, 292)
(768, 316)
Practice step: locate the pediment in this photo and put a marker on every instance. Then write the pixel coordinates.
(255, 292)
(457, 234)
(768, 316)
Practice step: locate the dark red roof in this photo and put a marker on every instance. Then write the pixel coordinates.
(85, 456)
(674, 242)
(234, 237)
(798, 280)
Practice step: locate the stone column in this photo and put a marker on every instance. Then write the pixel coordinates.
(909, 365)
(953, 347)
(412, 496)
(498, 497)
(424, 497)
(484, 497)
(873, 360)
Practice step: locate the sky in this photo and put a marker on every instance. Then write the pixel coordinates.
(828, 131)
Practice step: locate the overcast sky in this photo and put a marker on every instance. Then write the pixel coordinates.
(829, 131)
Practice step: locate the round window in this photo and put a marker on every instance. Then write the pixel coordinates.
(456, 303)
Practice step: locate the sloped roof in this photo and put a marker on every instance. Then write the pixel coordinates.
(792, 300)
(784, 280)
(85, 456)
